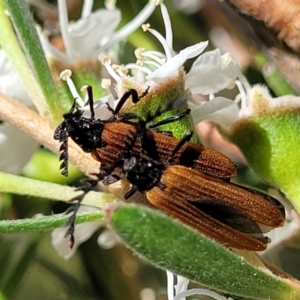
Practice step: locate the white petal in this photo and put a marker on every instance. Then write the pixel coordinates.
(101, 111)
(10, 82)
(219, 110)
(280, 235)
(131, 26)
(108, 239)
(93, 31)
(198, 291)
(211, 72)
(82, 233)
(182, 284)
(51, 51)
(173, 64)
(16, 148)
(170, 285)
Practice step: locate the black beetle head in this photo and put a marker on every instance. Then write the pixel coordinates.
(85, 132)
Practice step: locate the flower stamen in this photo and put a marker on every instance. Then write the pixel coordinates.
(242, 95)
(120, 70)
(87, 8)
(139, 53)
(110, 4)
(161, 39)
(152, 63)
(125, 31)
(64, 23)
(155, 56)
(106, 62)
(106, 83)
(242, 83)
(66, 76)
(137, 67)
(168, 25)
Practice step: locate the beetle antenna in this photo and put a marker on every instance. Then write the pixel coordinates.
(89, 91)
(61, 134)
(64, 157)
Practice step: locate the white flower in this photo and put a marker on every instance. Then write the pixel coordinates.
(107, 239)
(82, 233)
(168, 63)
(210, 73)
(155, 66)
(182, 291)
(93, 33)
(219, 110)
(176, 62)
(16, 148)
(213, 72)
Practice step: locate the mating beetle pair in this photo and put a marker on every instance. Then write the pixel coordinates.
(186, 180)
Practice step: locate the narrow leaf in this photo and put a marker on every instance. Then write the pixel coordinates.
(25, 26)
(45, 223)
(10, 44)
(173, 246)
(26, 186)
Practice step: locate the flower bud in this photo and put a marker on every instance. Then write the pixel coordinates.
(268, 135)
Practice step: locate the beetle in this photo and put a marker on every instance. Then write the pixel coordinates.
(115, 140)
(119, 136)
(226, 212)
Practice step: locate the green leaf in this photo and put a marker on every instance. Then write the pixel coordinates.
(173, 246)
(10, 44)
(270, 141)
(2, 296)
(26, 186)
(25, 27)
(46, 223)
